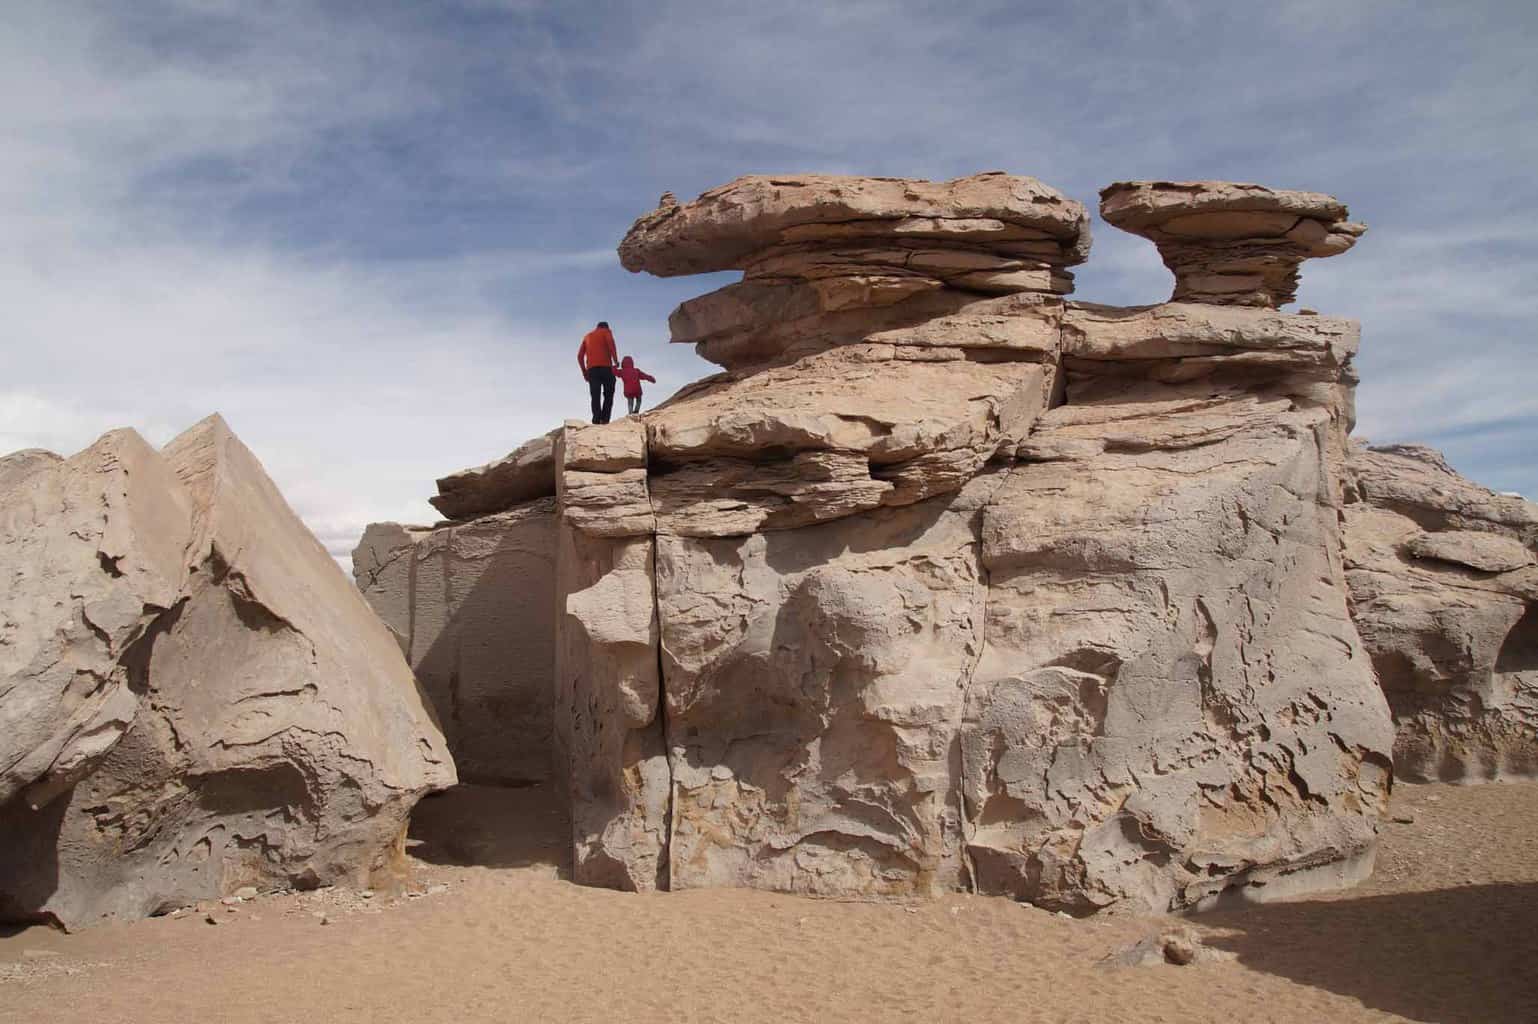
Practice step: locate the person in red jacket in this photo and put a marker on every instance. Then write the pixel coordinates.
(632, 375)
(598, 357)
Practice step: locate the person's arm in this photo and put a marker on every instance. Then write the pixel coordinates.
(582, 357)
(647, 376)
(613, 351)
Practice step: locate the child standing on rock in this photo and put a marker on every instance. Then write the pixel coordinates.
(632, 375)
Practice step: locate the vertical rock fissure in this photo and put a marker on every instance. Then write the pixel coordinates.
(665, 859)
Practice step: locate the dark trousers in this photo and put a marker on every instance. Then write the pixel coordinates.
(600, 384)
(633, 404)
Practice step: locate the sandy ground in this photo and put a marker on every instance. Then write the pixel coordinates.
(1444, 931)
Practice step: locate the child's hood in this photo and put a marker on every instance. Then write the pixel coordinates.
(627, 362)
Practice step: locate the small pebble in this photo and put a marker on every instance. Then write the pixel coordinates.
(367, 894)
(210, 918)
(246, 892)
(1404, 818)
(230, 901)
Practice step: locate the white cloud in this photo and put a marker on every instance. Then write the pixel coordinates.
(166, 161)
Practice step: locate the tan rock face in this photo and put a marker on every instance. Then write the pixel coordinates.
(473, 607)
(831, 260)
(523, 475)
(236, 715)
(1444, 589)
(1230, 243)
(941, 588)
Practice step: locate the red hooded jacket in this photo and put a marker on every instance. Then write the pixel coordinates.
(632, 376)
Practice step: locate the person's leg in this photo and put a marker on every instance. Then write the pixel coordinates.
(595, 391)
(632, 404)
(608, 395)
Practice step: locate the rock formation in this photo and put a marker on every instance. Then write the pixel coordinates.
(1229, 243)
(1444, 589)
(473, 608)
(949, 582)
(192, 698)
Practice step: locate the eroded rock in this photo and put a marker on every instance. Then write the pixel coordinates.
(1230, 243)
(1444, 589)
(277, 736)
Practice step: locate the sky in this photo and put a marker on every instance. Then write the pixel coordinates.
(371, 234)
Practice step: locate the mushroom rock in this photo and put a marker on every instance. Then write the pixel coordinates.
(1230, 243)
(195, 698)
(829, 260)
(1444, 589)
(948, 582)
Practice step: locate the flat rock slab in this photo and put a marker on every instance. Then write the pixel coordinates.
(724, 226)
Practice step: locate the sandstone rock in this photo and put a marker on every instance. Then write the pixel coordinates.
(814, 682)
(1125, 736)
(524, 475)
(1230, 243)
(724, 226)
(279, 738)
(473, 606)
(829, 261)
(939, 589)
(609, 735)
(1444, 590)
(91, 549)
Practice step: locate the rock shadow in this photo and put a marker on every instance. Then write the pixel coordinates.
(494, 827)
(1458, 956)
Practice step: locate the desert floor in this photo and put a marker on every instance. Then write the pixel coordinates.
(488, 930)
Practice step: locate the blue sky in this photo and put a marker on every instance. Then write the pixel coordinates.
(371, 233)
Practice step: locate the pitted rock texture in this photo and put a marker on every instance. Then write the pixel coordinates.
(940, 588)
(473, 608)
(1231, 243)
(236, 715)
(1444, 589)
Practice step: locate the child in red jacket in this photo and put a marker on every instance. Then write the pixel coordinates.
(632, 376)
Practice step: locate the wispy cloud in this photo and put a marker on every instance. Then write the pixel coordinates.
(372, 235)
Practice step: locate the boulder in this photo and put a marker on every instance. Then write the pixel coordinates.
(1444, 590)
(91, 548)
(1230, 243)
(276, 736)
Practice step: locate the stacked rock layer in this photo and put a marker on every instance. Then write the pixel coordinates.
(1230, 243)
(949, 582)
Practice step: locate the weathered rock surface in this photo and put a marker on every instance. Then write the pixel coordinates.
(1230, 243)
(951, 583)
(91, 551)
(1444, 589)
(727, 227)
(473, 607)
(233, 714)
(831, 261)
(523, 475)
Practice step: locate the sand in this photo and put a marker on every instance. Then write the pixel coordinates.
(487, 930)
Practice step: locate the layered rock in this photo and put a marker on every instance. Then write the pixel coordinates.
(1444, 588)
(1230, 243)
(196, 699)
(473, 608)
(831, 260)
(948, 582)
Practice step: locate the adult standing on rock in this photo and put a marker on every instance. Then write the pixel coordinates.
(598, 357)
